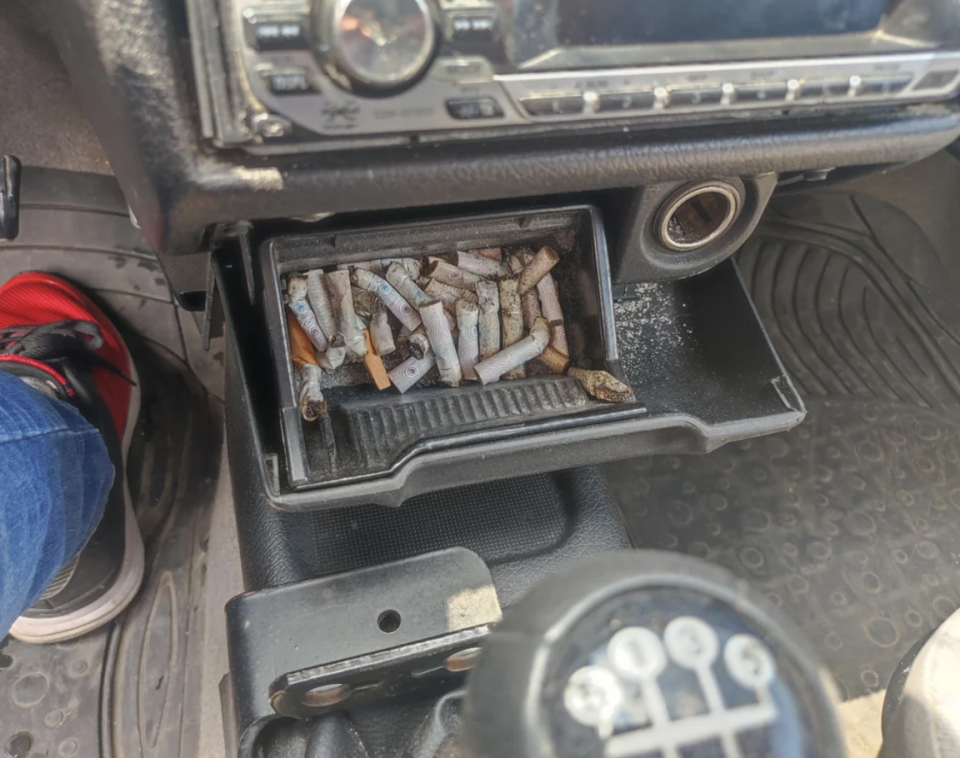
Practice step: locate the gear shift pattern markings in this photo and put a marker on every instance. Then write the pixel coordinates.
(619, 694)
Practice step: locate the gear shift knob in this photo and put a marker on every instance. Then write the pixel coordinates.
(648, 654)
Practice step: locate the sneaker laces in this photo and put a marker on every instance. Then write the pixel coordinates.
(58, 342)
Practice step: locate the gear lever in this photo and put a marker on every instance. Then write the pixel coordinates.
(648, 654)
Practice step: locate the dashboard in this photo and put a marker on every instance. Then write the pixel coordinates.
(215, 112)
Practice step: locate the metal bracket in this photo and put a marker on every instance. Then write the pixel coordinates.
(375, 634)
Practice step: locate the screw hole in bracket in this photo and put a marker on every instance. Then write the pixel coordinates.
(389, 622)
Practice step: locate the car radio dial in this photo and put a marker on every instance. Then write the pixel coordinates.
(376, 47)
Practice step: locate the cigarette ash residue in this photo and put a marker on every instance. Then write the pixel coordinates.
(648, 326)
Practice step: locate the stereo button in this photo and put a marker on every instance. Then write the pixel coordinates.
(626, 101)
(875, 87)
(820, 89)
(276, 33)
(289, 81)
(473, 109)
(559, 105)
(762, 93)
(473, 29)
(684, 97)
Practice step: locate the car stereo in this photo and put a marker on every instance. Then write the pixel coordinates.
(278, 74)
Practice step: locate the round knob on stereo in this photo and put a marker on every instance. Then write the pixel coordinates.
(376, 47)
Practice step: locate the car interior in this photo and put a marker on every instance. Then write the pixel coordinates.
(520, 378)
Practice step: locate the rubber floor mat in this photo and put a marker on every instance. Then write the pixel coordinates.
(133, 687)
(850, 522)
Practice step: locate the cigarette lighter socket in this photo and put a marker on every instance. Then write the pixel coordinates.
(701, 367)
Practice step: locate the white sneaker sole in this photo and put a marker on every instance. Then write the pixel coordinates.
(109, 605)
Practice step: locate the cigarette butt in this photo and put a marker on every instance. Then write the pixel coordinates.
(401, 280)
(488, 296)
(341, 293)
(374, 363)
(312, 405)
(494, 253)
(512, 321)
(441, 340)
(411, 371)
(448, 295)
(516, 265)
(319, 300)
(412, 265)
(390, 297)
(488, 268)
(297, 302)
(382, 334)
(530, 347)
(537, 268)
(530, 306)
(441, 271)
(468, 346)
(601, 385)
(549, 299)
(555, 361)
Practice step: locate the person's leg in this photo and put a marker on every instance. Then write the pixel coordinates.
(55, 476)
(68, 405)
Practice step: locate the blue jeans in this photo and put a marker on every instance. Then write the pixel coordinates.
(55, 476)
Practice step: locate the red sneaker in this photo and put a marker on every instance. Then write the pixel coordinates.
(56, 339)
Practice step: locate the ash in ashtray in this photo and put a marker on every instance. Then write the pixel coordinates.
(647, 323)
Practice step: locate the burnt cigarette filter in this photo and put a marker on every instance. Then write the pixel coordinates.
(441, 271)
(530, 347)
(312, 404)
(488, 268)
(468, 346)
(418, 344)
(380, 332)
(601, 385)
(297, 302)
(411, 371)
(537, 268)
(441, 340)
(489, 320)
(390, 297)
(495, 253)
(341, 293)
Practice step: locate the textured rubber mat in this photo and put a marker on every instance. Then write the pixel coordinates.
(851, 522)
(133, 687)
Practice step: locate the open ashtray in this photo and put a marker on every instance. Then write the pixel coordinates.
(420, 334)
(698, 367)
